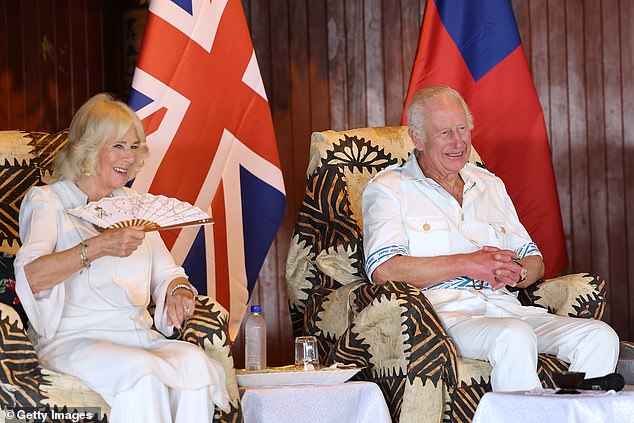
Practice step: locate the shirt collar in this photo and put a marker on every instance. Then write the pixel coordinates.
(412, 170)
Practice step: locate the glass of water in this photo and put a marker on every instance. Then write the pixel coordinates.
(306, 354)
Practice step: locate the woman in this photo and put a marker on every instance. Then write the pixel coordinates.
(86, 291)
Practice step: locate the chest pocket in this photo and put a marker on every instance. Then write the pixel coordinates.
(496, 228)
(428, 236)
(501, 232)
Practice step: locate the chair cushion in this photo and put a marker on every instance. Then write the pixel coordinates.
(63, 390)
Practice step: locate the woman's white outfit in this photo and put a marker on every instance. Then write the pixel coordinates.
(95, 324)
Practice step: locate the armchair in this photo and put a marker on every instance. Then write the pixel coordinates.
(391, 330)
(25, 160)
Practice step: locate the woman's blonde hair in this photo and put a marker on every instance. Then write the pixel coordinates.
(100, 119)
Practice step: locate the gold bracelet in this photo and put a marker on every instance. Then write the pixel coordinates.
(83, 255)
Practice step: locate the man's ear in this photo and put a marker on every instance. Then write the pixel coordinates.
(418, 142)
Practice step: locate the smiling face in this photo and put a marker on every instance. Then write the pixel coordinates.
(445, 145)
(116, 157)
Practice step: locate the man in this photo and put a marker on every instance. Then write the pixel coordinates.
(450, 228)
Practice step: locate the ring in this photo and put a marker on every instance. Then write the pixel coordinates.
(187, 310)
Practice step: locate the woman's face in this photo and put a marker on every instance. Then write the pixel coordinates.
(115, 159)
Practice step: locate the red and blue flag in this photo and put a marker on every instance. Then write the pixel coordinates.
(198, 90)
(474, 47)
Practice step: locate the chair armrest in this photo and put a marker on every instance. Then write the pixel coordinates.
(329, 312)
(20, 373)
(576, 295)
(326, 249)
(397, 338)
(207, 328)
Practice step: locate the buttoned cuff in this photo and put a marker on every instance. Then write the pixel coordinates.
(528, 249)
(382, 255)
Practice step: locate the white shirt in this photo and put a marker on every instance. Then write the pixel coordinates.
(406, 213)
(81, 325)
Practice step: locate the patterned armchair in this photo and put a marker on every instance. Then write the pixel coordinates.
(25, 160)
(391, 330)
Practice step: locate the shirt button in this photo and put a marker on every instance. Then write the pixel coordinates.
(503, 231)
(462, 217)
(426, 227)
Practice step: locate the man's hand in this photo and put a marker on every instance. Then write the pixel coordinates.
(495, 266)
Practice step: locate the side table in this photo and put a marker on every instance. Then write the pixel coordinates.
(625, 365)
(547, 407)
(354, 402)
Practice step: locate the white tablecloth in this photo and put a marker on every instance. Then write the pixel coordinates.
(350, 402)
(548, 407)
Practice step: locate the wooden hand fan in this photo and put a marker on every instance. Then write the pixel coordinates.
(154, 212)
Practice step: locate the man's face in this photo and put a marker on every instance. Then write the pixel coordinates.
(446, 144)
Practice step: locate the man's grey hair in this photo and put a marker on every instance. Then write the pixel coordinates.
(417, 109)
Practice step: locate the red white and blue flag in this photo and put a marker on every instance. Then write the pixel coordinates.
(198, 90)
(474, 47)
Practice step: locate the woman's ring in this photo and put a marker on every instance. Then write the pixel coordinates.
(187, 310)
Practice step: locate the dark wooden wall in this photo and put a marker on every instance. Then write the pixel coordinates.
(331, 64)
(337, 64)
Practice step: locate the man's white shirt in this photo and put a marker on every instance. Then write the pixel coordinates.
(406, 213)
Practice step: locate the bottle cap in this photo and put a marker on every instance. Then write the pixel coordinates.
(256, 309)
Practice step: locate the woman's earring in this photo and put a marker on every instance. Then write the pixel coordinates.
(88, 172)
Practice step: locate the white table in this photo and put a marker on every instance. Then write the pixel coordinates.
(548, 407)
(350, 402)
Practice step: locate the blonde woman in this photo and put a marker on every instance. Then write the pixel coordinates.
(86, 291)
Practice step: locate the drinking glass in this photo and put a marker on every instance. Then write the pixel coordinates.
(306, 354)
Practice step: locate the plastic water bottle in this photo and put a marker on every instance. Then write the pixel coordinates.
(255, 340)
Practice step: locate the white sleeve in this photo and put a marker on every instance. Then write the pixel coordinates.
(38, 234)
(384, 234)
(164, 270)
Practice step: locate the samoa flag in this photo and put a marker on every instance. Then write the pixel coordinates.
(474, 47)
(198, 90)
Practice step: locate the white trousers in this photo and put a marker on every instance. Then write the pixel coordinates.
(511, 346)
(152, 402)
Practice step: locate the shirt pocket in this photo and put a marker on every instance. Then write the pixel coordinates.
(427, 236)
(501, 232)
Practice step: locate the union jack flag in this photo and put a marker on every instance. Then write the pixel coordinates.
(198, 90)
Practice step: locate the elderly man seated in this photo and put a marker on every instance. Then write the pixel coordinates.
(450, 228)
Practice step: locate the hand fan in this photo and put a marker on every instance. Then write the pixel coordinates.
(154, 212)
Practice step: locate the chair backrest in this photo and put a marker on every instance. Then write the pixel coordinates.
(326, 250)
(25, 160)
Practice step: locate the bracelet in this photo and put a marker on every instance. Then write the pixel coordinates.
(182, 286)
(523, 273)
(83, 255)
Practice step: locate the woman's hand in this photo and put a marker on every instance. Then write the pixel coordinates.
(179, 304)
(49, 270)
(119, 242)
